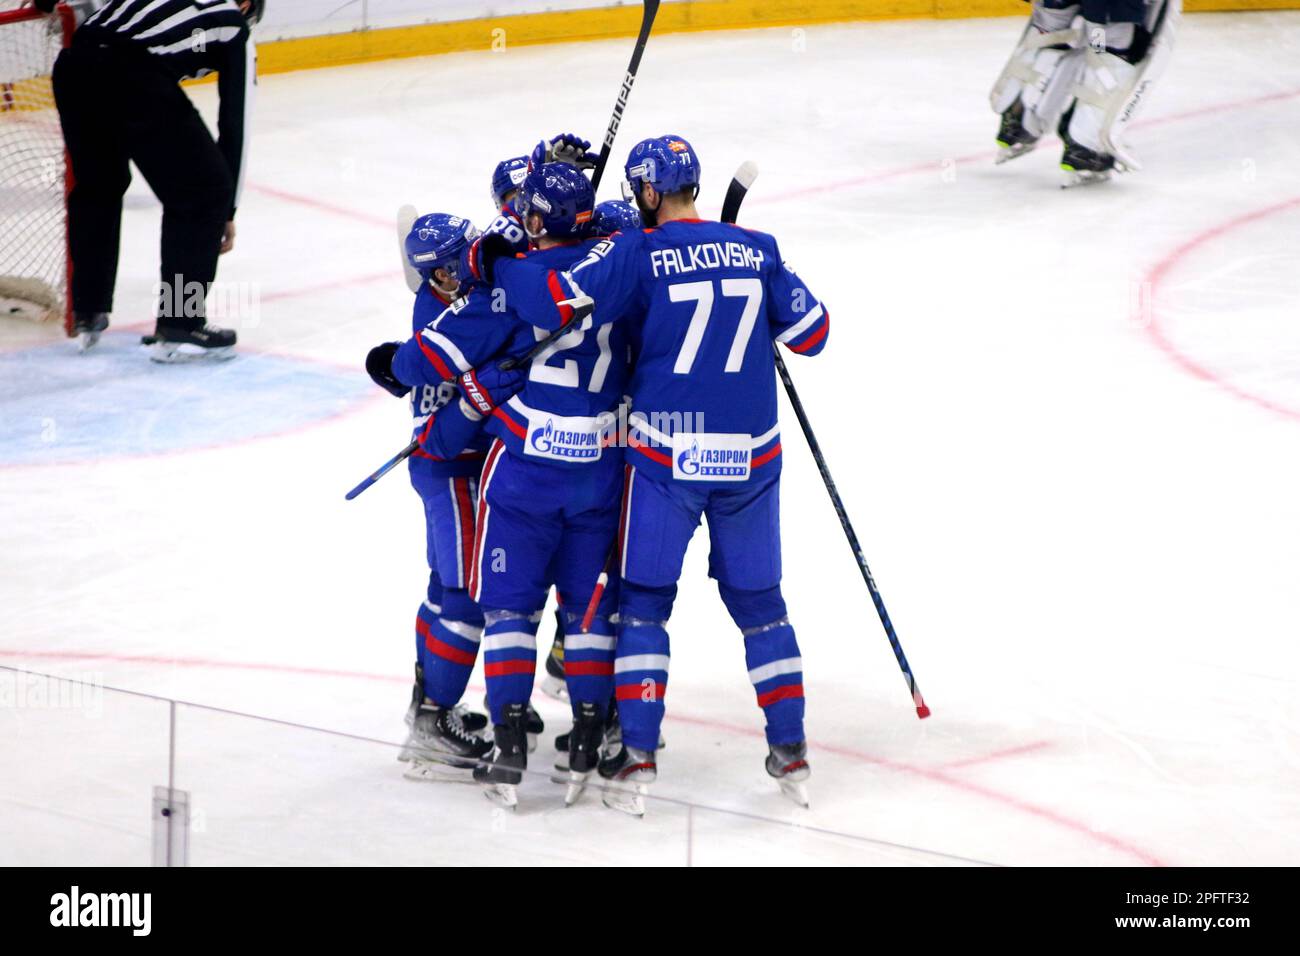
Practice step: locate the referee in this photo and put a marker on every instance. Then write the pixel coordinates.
(119, 99)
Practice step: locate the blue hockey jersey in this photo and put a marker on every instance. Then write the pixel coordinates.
(704, 302)
(450, 340)
(565, 412)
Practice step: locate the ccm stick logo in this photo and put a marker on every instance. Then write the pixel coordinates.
(624, 92)
(75, 909)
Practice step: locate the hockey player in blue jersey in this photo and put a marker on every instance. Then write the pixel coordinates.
(549, 504)
(448, 623)
(448, 484)
(707, 301)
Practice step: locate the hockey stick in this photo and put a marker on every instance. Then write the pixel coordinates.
(649, 10)
(735, 194)
(736, 190)
(922, 710)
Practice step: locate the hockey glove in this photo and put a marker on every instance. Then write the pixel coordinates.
(479, 257)
(565, 148)
(379, 365)
(483, 389)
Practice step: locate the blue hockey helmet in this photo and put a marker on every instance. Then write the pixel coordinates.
(615, 215)
(561, 195)
(668, 163)
(436, 241)
(507, 177)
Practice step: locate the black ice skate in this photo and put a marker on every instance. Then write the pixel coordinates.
(534, 725)
(472, 721)
(1083, 166)
(626, 789)
(1013, 139)
(553, 684)
(504, 769)
(788, 765)
(584, 750)
(439, 746)
(88, 327)
(172, 344)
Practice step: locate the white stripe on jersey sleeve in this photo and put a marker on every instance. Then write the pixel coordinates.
(448, 347)
(175, 20)
(213, 35)
(803, 325)
(149, 8)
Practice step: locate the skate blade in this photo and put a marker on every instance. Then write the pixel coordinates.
(429, 771)
(502, 794)
(87, 341)
(796, 791)
(1084, 177)
(1008, 153)
(575, 784)
(555, 688)
(625, 798)
(178, 353)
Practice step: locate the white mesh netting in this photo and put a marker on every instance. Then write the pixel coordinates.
(33, 243)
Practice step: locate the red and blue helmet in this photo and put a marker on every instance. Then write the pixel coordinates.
(436, 241)
(615, 215)
(507, 177)
(562, 195)
(668, 163)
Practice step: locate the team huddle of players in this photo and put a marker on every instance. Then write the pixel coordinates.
(588, 467)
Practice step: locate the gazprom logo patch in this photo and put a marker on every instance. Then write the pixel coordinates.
(565, 439)
(711, 456)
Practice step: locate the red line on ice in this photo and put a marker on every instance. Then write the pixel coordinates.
(1160, 272)
(936, 775)
(997, 755)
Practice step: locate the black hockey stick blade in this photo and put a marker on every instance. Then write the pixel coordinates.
(740, 184)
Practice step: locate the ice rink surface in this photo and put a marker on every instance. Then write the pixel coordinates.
(1065, 422)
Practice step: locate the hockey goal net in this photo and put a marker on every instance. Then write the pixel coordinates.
(34, 176)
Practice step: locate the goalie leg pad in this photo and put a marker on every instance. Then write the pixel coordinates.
(1122, 63)
(1043, 68)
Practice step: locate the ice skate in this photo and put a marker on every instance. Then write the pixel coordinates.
(788, 765)
(1013, 139)
(626, 788)
(535, 727)
(584, 751)
(170, 345)
(439, 746)
(553, 684)
(88, 326)
(503, 771)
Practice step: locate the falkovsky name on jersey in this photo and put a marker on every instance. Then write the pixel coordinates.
(705, 255)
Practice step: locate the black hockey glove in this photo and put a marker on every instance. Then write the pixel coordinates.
(565, 148)
(379, 365)
(480, 256)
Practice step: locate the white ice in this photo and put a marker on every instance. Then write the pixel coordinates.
(1063, 421)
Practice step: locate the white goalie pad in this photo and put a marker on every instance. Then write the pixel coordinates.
(1112, 90)
(1042, 78)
